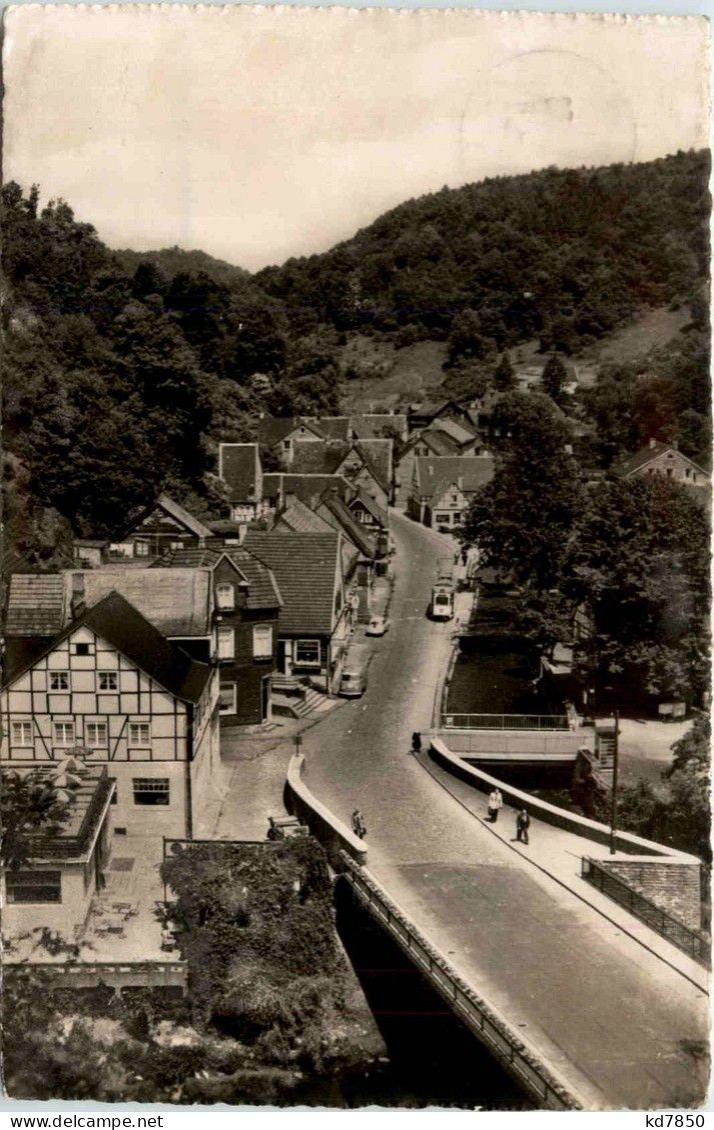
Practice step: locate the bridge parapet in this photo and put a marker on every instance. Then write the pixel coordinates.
(335, 837)
(520, 1060)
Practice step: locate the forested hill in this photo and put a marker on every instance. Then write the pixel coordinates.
(173, 260)
(562, 254)
(123, 370)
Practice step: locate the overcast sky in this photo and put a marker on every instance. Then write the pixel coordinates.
(257, 134)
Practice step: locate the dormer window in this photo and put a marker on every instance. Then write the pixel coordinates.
(225, 597)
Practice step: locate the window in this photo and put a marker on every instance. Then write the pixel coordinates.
(442, 519)
(226, 643)
(225, 597)
(33, 886)
(151, 790)
(22, 733)
(108, 681)
(227, 698)
(176, 545)
(59, 680)
(286, 445)
(307, 653)
(64, 733)
(141, 548)
(139, 734)
(82, 649)
(263, 641)
(96, 734)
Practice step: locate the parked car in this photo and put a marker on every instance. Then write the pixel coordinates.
(353, 683)
(377, 626)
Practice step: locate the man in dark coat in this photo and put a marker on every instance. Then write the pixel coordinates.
(523, 823)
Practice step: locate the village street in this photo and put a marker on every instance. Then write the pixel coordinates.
(519, 935)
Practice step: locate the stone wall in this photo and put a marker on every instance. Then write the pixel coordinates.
(669, 884)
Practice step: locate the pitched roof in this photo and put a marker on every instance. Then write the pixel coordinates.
(35, 604)
(454, 430)
(334, 511)
(307, 488)
(298, 517)
(371, 506)
(376, 424)
(435, 474)
(274, 429)
(311, 458)
(239, 467)
(653, 451)
(262, 592)
(175, 511)
(377, 454)
(335, 427)
(306, 567)
(175, 601)
(118, 623)
(438, 441)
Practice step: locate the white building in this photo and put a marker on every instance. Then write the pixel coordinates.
(112, 685)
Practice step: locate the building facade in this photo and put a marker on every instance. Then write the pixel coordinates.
(111, 685)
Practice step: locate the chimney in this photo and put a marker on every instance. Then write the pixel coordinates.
(77, 602)
(460, 482)
(653, 442)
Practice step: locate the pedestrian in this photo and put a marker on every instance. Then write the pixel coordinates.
(495, 803)
(358, 825)
(416, 742)
(464, 556)
(523, 823)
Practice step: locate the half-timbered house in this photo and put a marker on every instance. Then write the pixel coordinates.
(112, 685)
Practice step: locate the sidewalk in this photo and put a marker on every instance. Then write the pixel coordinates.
(557, 853)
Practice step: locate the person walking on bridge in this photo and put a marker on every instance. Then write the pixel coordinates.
(495, 804)
(358, 824)
(523, 823)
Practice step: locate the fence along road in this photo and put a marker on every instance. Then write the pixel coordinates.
(624, 1028)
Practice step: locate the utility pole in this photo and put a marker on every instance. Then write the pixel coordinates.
(615, 767)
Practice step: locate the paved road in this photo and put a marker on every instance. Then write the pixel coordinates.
(621, 1026)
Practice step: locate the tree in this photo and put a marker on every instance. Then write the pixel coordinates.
(554, 378)
(29, 805)
(504, 379)
(523, 520)
(639, 563)
(465, 339)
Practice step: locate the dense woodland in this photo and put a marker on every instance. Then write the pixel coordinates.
(123, 370)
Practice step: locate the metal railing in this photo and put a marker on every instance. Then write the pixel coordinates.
(692, 942)
(118, 974)
(452, 721)
(506, 1046)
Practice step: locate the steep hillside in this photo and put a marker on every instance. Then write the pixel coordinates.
(563, 255)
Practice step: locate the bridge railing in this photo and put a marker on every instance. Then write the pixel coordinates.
(693, 942)
(505, 1044)
(453, 721)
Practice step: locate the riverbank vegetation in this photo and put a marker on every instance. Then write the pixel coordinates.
(273, 1007)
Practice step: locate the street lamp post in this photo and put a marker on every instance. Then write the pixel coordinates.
(615, 767)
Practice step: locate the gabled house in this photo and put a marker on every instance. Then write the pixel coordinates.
(162, 526)
(421, 415)
(240, 468)
(666, 460)
(367, 464)
(316, 615)
(297, 517)
(379, 425)
(368, 513)
(278, 434)
(245, 605)
(112, 685)
(443, 487)
(442, 438)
